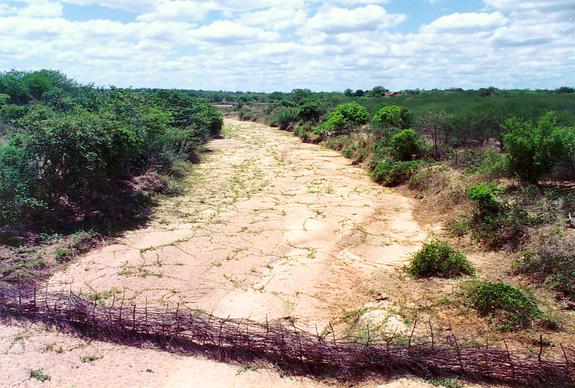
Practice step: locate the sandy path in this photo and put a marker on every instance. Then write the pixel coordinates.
(268, 226)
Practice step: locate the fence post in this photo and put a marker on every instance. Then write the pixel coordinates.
(540, 347)
(510, 360)
(134, 318)
(458, 352)
(567, 364)
(332, 332)
(146, 316)
(412, 331)
(177, 321)
(432, 336)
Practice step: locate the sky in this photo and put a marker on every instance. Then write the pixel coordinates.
(279, 45)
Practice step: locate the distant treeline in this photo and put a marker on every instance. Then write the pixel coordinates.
(68, 151)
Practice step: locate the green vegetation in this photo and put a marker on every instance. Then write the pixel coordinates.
(344, 118)
(70, 149)
(406, 145)
(497, 224)
(78, 161)
(439, 259)
(39, 375)
(91, 358)
(510, 307)
(391, 173)
(534, 150)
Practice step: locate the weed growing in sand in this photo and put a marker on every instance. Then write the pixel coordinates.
(39, 375)
(248, 368)
(91, 358)
(101, 296)
(51, 347)
(448, 383)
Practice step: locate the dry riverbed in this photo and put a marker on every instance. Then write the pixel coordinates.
(268, 227)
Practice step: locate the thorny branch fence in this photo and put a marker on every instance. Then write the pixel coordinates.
(290, 348)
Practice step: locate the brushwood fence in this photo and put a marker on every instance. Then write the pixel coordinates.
(294, 350)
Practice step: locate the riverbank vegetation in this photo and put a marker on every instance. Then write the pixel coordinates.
(497, 167)
(80, 159)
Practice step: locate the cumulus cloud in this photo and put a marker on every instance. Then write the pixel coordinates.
(368, 18)
(468, 21)
(42, 9)
(283, 44)
(228, 32)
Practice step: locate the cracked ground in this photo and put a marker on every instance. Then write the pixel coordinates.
(267, 226)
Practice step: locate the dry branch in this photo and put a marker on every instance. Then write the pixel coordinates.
(291, 348)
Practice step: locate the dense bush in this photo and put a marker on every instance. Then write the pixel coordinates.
(406, 145)
(393, 173)
(63, 162)
(345, 117)
(485, 196)
(510, 307)
(310, 110)
(439, 259)
(534, 149)
(283, 117)
(497, 224)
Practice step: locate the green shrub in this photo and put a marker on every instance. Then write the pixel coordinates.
(535, 149)
(68, 156)
(39, 375)
(490, 165)
(406, 145)
(497, 224)
(283, 118)
(391, 173)
(344, 117)
(485, 197)
(510, 307)
(441, 260)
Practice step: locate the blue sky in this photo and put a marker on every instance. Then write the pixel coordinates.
(268, 45)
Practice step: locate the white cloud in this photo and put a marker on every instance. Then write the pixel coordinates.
(369, 18)
(282, 44)
(177, 10)
(42, 9)
(227, 32)
(468, 22)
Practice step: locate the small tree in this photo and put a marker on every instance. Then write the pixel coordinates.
(348, 93)
(388, 120)
(434, 124)
(310, 110)
(534, 149)
(299, 95)
(378, 91)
